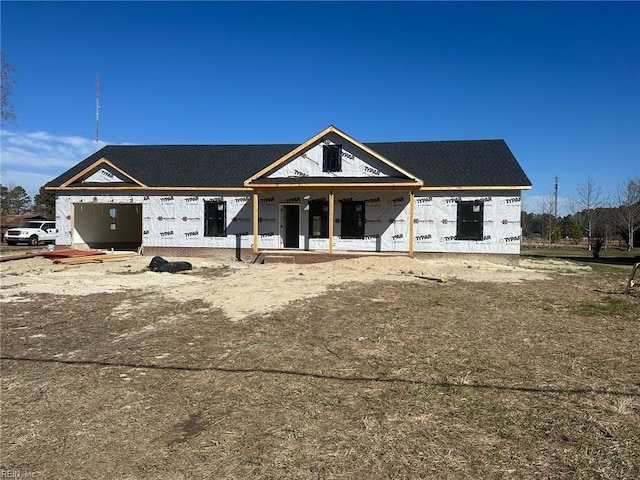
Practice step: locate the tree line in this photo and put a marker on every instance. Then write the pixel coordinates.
(14, 200)
(611, 221)
(598, 220)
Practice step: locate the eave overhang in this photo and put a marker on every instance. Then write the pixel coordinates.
(115, 189)
(103, 162)
(474, 188)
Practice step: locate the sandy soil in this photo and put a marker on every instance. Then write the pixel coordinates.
(245, 288)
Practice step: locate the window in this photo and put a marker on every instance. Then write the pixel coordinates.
(352, 219)
(215, 219)
(470, 220)
(332, 158)
(319, 219)
(112, 217)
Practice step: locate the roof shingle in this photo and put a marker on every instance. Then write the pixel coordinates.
(439, 164)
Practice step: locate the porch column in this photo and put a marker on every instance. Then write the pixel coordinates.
(411, 203)
(331, 213)
(255, 222)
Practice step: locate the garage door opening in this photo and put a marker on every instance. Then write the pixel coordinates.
(115, 226)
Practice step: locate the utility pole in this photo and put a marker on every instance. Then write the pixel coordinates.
(555, 203)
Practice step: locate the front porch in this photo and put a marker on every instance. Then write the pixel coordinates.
(305, 257)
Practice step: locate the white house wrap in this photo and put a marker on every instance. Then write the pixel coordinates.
(332, 194)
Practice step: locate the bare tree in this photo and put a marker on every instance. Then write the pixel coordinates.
(627, 215)
(588, 198)
(7, 113)
(549, 221)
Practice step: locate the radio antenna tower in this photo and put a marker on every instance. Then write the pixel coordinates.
(97, 108)
(555, 203)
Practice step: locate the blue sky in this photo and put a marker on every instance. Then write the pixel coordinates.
(559, 81)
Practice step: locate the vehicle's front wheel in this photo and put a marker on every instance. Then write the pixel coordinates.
(33, 240)
(11, 242)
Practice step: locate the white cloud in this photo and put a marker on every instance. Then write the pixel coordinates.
(30, 181)
(31, 159)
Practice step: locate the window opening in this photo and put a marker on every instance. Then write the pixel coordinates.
(469, 225)
(319, 219)
(215, 219)
(332, 158)
(353, 219)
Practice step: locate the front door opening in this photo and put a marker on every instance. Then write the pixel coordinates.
(290, 225)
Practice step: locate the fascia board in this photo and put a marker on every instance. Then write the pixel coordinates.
(290, 155)
(312, 141)
(94, 166)
(475, 187)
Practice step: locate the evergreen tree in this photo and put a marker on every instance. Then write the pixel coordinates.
(14, 201)
(44, 203)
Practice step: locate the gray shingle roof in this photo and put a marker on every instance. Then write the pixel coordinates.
(456, 163)
(438, 164)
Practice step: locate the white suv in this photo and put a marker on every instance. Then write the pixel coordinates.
(32, 232)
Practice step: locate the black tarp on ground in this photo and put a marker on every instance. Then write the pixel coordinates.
(159, 264)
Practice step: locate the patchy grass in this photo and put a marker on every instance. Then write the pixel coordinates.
(578, 252)
(388, 380)
(133, 272)
(606, 306)
(621, 258)
(221, 271)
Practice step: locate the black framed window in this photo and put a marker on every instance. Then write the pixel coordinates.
(319, 219)
(215, 218)
(470, 220)
(332, 158)
(353, 219)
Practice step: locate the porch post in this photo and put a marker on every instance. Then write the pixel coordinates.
(331, 213)
(411, 204)
(255, 222)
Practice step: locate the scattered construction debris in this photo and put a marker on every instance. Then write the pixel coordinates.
(106, 257)
(159, 264)
(433, 279)
(74, 257)
(424, 277)
(71, 253)
(19, 256)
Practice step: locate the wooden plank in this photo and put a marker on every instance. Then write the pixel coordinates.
(71, 253)
(433, 279)
(255, 222)
(474, 187)
(291, 154)
(157, 189)
(342, 186)
(76, 260)
(116, 257)
(97, 164)
(19, 256)
(331, 214)
(411, 215)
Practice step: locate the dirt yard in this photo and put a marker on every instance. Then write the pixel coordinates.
(358, 368)
(253, 289)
